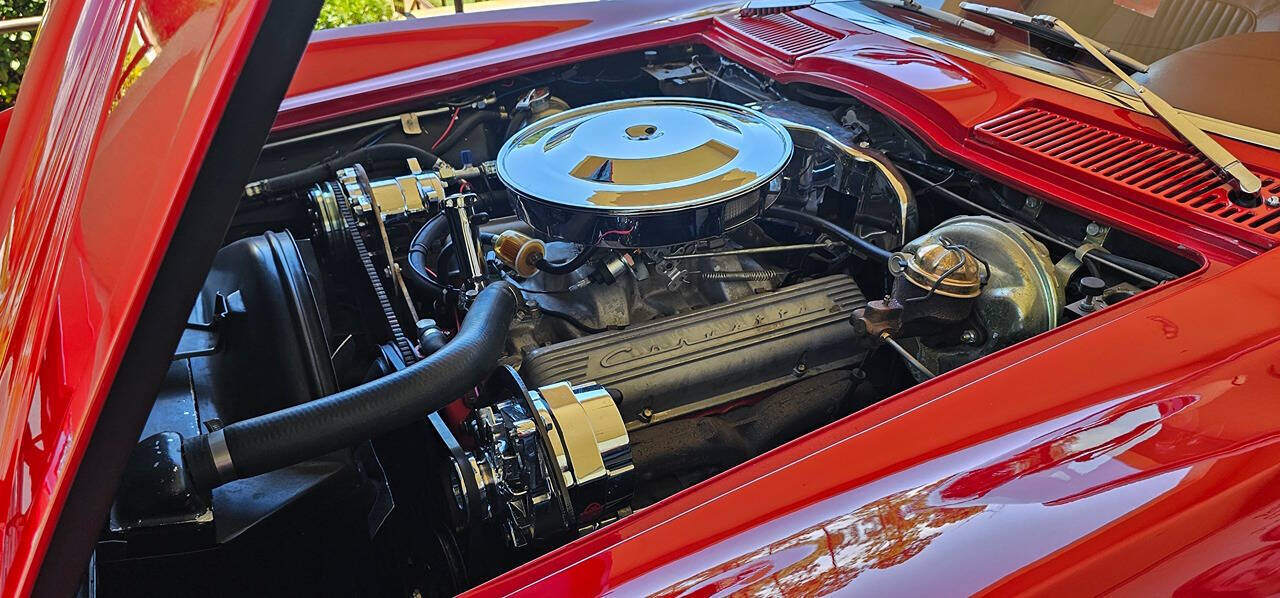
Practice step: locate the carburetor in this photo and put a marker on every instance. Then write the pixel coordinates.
(548, 462)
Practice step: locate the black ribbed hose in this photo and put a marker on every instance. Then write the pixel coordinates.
(311, 175)
(813, 221)
(275, 440)
(435, 230)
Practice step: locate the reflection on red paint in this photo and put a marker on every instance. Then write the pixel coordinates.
(339, 56)
(1254, 574)
(1099, 436)
(117, 107)
(825, 558)
(1167, 326)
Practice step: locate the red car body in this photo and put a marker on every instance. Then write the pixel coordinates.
(1132, 451)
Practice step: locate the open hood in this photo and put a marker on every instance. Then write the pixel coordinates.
(121, 162)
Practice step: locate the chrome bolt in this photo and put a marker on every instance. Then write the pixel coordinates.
(1032, 202)
(1273, 202)
(1092, 229)
(646, 414)
(969, 336)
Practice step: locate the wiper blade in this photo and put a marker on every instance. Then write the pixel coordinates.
(1245, 181)
(1026, 21)
(940, 15)
(759, 8)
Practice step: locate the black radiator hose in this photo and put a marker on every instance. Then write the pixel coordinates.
(288, 436)
(382, 152)
(436, 229)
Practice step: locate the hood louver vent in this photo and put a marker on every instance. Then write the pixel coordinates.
(1135, 168)
(779, 34)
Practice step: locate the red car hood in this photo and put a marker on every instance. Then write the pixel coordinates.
(119, 104)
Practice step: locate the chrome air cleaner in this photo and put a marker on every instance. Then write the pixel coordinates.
(645, 172)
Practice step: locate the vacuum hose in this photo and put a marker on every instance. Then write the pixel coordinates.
(813, 221)
(311, 175)
(275, 440)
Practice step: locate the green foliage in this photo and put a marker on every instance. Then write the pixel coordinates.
(15, 47)
(340, 13)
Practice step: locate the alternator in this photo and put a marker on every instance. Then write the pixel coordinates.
(547, 462)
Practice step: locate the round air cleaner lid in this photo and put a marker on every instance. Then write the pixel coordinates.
(645, 172)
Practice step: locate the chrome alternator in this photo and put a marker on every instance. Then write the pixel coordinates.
(547, 462)
(376, 200)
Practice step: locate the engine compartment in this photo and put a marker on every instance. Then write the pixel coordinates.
(442, 342)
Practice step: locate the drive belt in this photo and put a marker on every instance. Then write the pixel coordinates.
(403, 346)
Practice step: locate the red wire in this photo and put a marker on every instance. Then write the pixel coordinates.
(452, 120)
(620, 233)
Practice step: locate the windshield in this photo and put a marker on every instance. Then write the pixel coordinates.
(1219, 58)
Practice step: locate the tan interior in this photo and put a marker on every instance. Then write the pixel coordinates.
(1219, 58)
(1177, 24)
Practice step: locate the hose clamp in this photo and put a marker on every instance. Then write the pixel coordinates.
(221, 455)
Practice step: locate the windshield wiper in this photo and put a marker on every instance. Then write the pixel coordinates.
(757, 8)
(1246, 182)
(940, 15)
(1031, 23)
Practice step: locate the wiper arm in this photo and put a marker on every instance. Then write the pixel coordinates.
(757, 8)
(940, 15)
(1026, 21)
(1246, 182)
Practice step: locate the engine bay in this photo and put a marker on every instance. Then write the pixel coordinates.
(441, 342)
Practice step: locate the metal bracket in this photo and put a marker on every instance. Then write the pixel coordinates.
(1096, 234)
(1067, 266)
(1031, 207)
(409, 123)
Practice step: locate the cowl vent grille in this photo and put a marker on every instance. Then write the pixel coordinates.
(779, 34)
(1134, 168)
